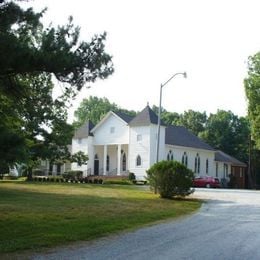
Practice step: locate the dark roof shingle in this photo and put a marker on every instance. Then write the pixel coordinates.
(145, 117)
(223, 157)
(180, 136)
(84, 130)
(125, 117)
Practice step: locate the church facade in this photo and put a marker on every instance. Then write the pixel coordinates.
(120, 144)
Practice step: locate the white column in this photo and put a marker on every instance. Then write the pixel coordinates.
(105, 160)
(118, 159)
(64, 168)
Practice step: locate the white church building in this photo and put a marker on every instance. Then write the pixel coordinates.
(120, 144)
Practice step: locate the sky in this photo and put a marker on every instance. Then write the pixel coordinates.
(150, 40)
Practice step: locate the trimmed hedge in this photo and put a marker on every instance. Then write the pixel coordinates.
(73, 175)
(119, 182)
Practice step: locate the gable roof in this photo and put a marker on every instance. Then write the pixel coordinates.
(180, 136)
(145, 117)
(223, 157)
(84, 130)
(125, 117)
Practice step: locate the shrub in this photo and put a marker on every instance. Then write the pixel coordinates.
(73, 175)
(118, 182)
(9, 177)
(38, 172)
(131, 176)
(171, 179)
(232, 181)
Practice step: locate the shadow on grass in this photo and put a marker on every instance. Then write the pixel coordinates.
(43, 218)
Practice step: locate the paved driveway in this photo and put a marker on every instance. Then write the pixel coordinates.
(227, 227)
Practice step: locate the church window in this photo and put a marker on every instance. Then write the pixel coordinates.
(207, 166)
(112, 130)
(139, 138)
(138, 160)
(170, 156)
(184, 159)
(197, 164)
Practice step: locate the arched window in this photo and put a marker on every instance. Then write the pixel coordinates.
(138, 160)
(197, 164)
(170, 156)
(207, 166)
(184, 159)
(108, 160)
(124, 162)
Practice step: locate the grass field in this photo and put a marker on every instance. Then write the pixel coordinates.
(37, 215)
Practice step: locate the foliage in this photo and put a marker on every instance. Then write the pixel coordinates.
(72, 175)
(170, 118)
(94, 109)
(38, 172)
(33, 123)
(194, 121)
(171, 178)
(227, 132)
(131, 176)
(118, 182)
(80, 158)
(3, 169)
(252, 88)
(232, 181)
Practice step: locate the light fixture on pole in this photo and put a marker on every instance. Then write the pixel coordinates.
(184, 74)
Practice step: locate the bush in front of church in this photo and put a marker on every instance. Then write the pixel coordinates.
(171, 179)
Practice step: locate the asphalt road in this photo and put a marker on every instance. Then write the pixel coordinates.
(226, 227)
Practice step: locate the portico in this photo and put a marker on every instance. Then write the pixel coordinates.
(110, 159)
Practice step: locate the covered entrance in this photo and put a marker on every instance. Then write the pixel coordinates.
(111, 159)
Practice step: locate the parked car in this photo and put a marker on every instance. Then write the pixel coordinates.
(206, 181)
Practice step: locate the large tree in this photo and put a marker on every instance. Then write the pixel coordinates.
(193, 120)
(94, 108)
(227, 132)
(252, 88)
(32, 123)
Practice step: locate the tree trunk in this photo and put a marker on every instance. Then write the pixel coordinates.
(29, 175)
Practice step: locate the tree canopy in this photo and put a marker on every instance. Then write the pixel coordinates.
(252, 88)
(227, 132)
(33, 123)
(94, 108)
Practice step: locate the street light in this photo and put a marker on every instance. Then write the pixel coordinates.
(184, 74)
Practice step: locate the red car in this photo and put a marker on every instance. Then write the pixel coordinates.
(206, 181)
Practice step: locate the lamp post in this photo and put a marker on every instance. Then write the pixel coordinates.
(159, 112)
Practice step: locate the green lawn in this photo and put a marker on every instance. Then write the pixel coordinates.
(36, 215)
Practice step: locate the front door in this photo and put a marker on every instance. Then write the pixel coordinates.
(96, 165)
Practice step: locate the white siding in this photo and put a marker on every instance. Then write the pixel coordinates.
(153, 143)
(178, 152)
(104, 136)
(141, 148)
(221, 173)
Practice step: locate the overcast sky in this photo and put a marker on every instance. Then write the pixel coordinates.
(150, 40)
